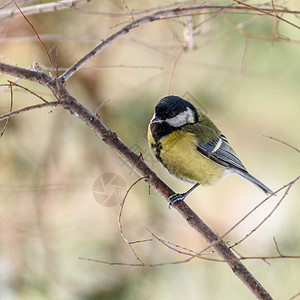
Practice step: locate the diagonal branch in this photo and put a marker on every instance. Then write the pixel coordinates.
(111, 139)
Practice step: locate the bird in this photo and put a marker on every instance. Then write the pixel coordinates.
(192, 148)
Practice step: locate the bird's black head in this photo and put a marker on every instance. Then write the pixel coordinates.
(171, 113)
(176, 111)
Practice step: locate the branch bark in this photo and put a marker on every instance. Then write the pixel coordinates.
(167, 14)
(68, 102)
(41, 8)
(110, 138)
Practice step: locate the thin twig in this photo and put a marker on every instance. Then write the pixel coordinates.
(120, 220)
(28, 90)
(295, 296)
(128, 10)
(193, 254)
(29, 108)
(36, 34)
(282, 142)
(270, 214)
(10, 110)
(175, 65)
(135, 265)
(257, 206)
(277, 248)
(184, 261)
(141, 241)
(244, 58)
(177, 248)
(267, 12)
(55, 74)
(276, 20)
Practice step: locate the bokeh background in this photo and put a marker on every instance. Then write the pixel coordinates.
(60, 185)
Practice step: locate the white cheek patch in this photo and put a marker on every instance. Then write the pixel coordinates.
(181, 119)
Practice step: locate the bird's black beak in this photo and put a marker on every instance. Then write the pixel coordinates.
(156, 120)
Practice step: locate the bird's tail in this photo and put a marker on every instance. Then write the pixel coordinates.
(253, 180)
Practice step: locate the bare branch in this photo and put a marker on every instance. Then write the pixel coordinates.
(289, 185)
(128, 10)
(41, 8)
(295, 296)
(23, 73)
(27, 90)
(134, 265)
(10, 109)
(175, 247)
(177, 262)
(112, 140)
(29, 108)
(257, 206)
(120, 220)
(46, 51)
(163, 15)
(282, 142)
(194, 221)
(267, 12)
(277, 248)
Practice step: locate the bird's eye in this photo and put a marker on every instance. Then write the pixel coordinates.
(172, 115)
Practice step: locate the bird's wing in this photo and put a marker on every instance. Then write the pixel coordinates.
(220, 151)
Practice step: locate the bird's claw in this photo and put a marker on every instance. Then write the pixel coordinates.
(175, 198)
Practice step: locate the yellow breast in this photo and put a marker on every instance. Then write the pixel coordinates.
(179, 154)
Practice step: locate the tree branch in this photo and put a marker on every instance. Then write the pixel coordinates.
(29, 108)
(110, 138)
(22, 73)
(41, 8)
(166, 14)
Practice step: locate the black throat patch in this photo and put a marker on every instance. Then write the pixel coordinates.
(160, 130)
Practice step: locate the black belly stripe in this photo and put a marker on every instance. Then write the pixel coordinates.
(157, 148)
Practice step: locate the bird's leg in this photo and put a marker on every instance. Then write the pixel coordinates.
(180, 197)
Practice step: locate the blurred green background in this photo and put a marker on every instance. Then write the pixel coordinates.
(60, 184)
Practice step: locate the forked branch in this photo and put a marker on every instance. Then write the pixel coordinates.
(65, 99)
(110, 138)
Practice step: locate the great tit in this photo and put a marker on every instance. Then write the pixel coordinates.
(191, 147)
